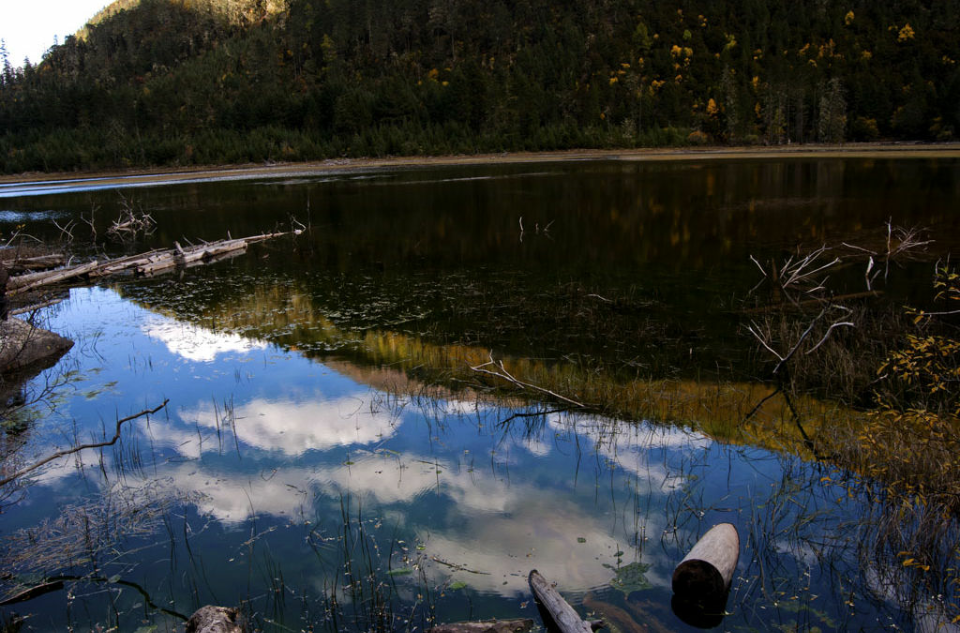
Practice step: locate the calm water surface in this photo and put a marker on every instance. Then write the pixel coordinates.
(293, 475)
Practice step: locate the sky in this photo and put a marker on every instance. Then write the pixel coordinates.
(29, 26)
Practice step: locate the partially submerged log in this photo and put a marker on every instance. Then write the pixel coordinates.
(702, 580)
(708, 568)
(40, 262)
(22, 345)
(560, 611)
(488, 626)
(24, 283)
(179, 256)
(211, 619)
(148, 263)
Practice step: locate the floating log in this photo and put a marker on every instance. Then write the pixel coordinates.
(148, 263)
(563, 615)
(41, 262)
(25, 283)
(121, 264)
(708, 568)
(487, 626)
(211, 619)
(702, 579)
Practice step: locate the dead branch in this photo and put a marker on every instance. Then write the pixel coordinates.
(77, 449)
(90, 221)
(827, 334)
(503, 374)
(858, 248)
(66, 231)
(754, 329)
(800, 273)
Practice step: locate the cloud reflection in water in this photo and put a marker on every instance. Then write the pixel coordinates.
(195, 343)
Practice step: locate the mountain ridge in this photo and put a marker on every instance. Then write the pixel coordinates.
(179, 82)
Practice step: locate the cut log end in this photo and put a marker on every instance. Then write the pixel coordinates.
(211, 619)
(692, 577)
(702, 580)
(708, 568)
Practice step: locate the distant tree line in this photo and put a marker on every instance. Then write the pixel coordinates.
(161, 82)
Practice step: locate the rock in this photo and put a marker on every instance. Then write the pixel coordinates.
(22, 346)
(211, 619)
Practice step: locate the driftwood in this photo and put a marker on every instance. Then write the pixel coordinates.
(148, 263)
(40, 262)
(709, 567)
(24, 283)
(559, 610)
(487, 626)
(702, 579)
(210, 619)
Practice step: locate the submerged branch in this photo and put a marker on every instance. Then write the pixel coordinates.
(503, 374)
(81, 447)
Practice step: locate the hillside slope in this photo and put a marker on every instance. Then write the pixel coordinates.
(210, 81)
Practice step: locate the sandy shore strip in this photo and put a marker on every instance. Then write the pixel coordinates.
(52, 183)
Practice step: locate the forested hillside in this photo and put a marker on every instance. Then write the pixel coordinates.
(153, 82)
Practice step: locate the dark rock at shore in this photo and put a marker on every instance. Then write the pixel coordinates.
(25, 347)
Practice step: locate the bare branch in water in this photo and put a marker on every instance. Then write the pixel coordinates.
(81, 447)
(754, 329)
(503, 374)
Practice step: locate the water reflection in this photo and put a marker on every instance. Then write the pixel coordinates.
(195, 343)
(271, 474)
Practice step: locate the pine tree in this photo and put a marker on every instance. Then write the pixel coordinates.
(833, 113)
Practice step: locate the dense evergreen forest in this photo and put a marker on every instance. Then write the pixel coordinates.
(164, 82)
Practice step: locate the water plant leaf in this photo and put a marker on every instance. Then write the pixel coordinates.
(455, 586)
(631, 578)
(403, 571)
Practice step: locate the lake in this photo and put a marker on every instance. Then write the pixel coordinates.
(328, 460)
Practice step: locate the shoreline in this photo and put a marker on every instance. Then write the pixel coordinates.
(142, 176)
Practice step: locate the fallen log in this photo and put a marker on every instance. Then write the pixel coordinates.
(488, 626)
(121, 264)
(559, 610)
(24, 283)
(702, 580)
(40, 262)
(708, 568)
(149, 263)
(175, 258)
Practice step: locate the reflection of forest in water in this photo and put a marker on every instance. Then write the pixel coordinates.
(324, 419)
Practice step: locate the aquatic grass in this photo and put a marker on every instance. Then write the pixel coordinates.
(364, 581)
